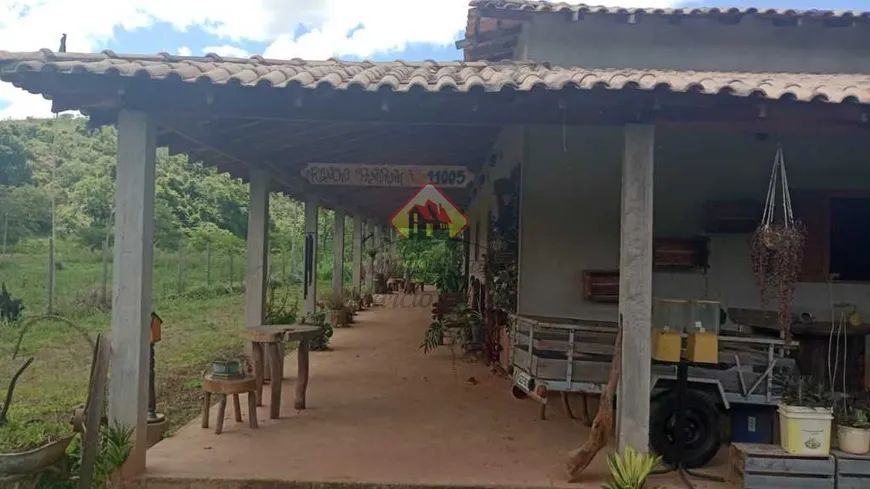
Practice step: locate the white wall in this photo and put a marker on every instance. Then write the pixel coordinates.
(570, 211)
(697, 44)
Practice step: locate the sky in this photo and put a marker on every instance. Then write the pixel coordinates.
(308, 29)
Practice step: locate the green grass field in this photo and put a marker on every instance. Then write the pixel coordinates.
(198, 325)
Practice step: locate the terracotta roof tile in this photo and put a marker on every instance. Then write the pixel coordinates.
(431, 76)
(581, 8)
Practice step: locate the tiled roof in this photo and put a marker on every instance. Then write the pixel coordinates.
(430, 76)
(580, 8)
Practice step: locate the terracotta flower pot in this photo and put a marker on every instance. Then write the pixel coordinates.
(338, 318)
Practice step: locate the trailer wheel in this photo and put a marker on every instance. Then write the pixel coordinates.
(702, 439)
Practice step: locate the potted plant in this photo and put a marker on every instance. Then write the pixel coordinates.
(853, 430)
(318, 318)
(31, 447)
(805, 416)
(338, 311)
(630, 470)
(227, 366)
(368, 299)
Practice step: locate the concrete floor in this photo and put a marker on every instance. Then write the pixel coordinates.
(381, 412)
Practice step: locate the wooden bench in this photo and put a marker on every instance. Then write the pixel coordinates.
(768, 466)
(229, 387)
(265, 339)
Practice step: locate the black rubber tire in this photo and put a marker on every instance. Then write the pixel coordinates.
(702, 429)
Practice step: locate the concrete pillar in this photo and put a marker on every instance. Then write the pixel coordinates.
(309, 277)
(635, 286)
(258, 250)
(338, 254)
(133, 273)
(356, 278)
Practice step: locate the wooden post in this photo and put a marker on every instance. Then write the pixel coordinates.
(104, 291)
(309, 275)
(356, 276)
(133, 269)
(338, 254)
(208, 264)
(5, 230)
(180, 268)
(635, 287)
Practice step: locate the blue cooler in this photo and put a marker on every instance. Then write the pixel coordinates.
(752, 424)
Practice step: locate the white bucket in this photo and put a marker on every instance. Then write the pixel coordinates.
(853, 440)
(805, 431)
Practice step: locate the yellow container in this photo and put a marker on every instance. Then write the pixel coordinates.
(805, 431)
(703, 347)
(667, 345)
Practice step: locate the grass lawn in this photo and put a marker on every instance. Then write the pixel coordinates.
(196, 328)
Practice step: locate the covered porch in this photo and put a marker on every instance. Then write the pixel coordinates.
(265, 120)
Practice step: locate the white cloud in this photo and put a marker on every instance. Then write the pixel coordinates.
(184, 51)
(28, 25)
(226, 50)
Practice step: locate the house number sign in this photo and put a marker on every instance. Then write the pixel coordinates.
(387, 175)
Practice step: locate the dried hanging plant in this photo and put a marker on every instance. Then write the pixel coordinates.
(777, 249)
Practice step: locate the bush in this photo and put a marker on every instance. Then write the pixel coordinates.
(10, 309)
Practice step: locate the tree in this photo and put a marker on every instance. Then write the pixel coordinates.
(13, 158)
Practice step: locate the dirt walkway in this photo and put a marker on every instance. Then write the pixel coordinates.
(380, 411)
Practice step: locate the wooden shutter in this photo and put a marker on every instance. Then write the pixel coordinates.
(812, 208)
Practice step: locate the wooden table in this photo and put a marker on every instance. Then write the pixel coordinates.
(229, 387)
(268, 338)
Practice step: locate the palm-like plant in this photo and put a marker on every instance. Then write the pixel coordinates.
(630, 470)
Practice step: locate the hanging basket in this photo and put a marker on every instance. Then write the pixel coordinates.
(778, 246)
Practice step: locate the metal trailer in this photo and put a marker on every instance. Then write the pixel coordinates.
(551, 355)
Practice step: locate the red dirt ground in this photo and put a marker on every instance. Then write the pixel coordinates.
(382, 412)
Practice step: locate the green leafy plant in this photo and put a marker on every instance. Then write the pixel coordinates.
(113, 450)
(855, 417)
(335, 302)
(434, 336)
(805, 391)
(630, 470)
(318, 318)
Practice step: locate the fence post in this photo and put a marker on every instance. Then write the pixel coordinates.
(181, 268)
(51, 263)
(5, 230)
(104, 292)
(208, 264)
(231, 271)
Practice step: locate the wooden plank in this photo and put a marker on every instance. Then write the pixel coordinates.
(387, 175)
(803, 466)
(756, 481)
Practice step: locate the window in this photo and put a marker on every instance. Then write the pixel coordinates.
(838, 240)
(849, 249)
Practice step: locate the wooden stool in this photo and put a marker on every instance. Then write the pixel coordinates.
(268, 338)
(223, 388)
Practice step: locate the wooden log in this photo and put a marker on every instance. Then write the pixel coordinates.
(602, 426)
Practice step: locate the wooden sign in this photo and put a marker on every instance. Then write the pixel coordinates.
(387, 175)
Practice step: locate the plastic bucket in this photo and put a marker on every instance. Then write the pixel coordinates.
(805, 431)
(853, 440)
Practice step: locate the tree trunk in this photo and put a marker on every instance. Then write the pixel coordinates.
(602, 426)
